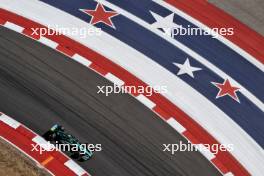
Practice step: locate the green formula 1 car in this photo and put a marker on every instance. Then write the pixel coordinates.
(77, 150)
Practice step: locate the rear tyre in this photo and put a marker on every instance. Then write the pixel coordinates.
(75, 155)
(49, 136)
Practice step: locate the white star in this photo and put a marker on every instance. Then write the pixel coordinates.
(165, 23)
(186, 68)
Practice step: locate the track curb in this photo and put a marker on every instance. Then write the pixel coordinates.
(21, 137)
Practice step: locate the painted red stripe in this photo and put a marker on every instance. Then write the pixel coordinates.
(25, 132)
(98, 69)
(219, 165)
(20, 141)
(85, 174)
(190, 137)
(195, 131)
(65, 50)
(59, 156)
(2, 21)
(161, 112)
(245, 37)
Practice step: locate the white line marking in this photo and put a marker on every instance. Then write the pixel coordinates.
(75, 167)
(14, 27)
(48, 42)
(9, 121)
(82, 60)
(114, 79)
(205, 151)
(146, 101)
(43, 143)
(176, 125)
(229, 174)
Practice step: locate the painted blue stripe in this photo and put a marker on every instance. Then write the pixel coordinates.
(230, 61)
(246, 114)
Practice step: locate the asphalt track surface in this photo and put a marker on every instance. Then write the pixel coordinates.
(250, 12)
(40, 87)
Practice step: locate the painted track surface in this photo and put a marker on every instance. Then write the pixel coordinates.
(41, 87)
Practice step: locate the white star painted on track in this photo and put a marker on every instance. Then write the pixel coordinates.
(186, 68)
(164, 23)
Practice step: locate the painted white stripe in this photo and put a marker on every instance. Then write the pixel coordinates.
(247, 151)
(147, 102)
(205, 151)
(9, 121)
(190, 52)
(81, 60)
(177, 126)
(43, 143)
(224, 40)
(75, 167)
(48, 42)
(14, 27)
(229, 174)
(114, 79)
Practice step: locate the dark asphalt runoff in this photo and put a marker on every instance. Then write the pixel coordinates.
(40, 87)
